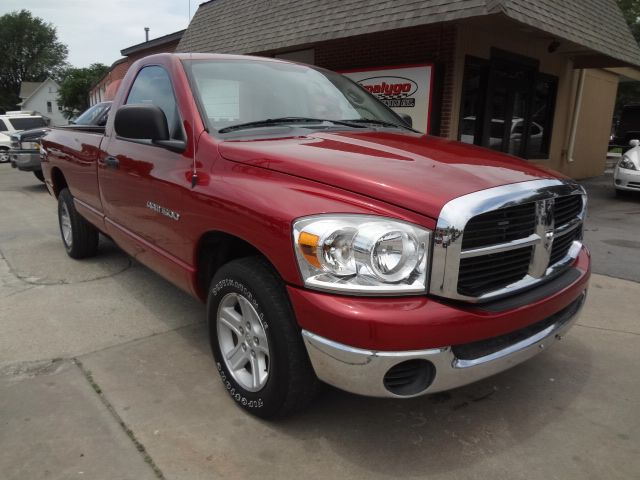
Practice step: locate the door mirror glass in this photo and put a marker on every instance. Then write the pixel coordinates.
(141, 122)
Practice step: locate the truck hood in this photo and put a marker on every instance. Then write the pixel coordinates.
(416, 172)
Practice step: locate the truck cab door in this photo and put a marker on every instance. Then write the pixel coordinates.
(142, 184)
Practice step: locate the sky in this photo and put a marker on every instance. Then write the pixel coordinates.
(96, 30)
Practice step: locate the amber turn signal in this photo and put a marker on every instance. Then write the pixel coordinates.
(308, 244)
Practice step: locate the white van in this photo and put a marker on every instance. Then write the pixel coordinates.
(15, 122)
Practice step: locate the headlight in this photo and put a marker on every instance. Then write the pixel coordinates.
(362, 254)
(626, 162)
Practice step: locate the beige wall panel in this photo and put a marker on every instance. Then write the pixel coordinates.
(594, 124)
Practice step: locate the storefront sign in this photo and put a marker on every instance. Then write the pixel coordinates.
(405, 89)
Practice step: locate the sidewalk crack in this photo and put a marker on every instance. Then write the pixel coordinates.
(139, 446)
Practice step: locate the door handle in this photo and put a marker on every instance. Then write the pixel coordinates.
(112, 162)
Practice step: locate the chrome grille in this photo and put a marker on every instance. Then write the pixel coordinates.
(566, 208)
(498, 241)
(562, 244)
(483, 274)
(500, 226)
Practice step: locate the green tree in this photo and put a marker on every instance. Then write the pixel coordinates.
(30, 52)
(629, 92)
(76, 83)
(631, 11)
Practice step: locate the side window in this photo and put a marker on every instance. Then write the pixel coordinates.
(153, 86)
(3, 127)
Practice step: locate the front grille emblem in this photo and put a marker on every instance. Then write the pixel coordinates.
(544, 229)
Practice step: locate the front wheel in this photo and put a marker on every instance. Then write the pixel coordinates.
(79, 237)
(256, 341)
(4, 155)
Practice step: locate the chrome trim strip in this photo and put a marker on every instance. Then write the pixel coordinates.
(447, 245)
(526, 343)
(568, 227)
(362, 371)
(532, 239)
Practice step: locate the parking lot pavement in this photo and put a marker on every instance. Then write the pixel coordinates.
(612, 230)
(54, 426)
(135, 390)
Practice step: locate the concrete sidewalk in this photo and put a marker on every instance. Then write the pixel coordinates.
(105, 373)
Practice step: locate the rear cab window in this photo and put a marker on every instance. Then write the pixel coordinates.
(27, 123)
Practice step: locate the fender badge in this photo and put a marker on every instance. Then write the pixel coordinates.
(163, 211)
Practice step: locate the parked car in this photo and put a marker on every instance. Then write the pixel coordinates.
(25, 145)
(496, 133)
(627, 127)
(13, 122)
(346, 248)
(626, 175)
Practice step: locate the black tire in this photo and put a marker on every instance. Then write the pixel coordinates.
(39, 175)
(290, 383)
(622, 193)
(82, 241)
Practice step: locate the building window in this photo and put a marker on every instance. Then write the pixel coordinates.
(472, 103)
(543, 105)
(507, 105)
(49, 107)
(59, 108)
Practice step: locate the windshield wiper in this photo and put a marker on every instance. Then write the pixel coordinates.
(284, 120)
(377, 122)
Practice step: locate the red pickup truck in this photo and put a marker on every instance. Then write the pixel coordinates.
(330, 240)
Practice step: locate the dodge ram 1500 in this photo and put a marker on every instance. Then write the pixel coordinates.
(329, 239)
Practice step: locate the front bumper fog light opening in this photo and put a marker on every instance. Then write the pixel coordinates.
(409, 378)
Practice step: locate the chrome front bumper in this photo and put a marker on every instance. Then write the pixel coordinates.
(26, 160)
(362, 371)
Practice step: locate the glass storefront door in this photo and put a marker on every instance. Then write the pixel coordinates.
(508, 106)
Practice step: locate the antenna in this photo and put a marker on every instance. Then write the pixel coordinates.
(194, 109)
(146, 34)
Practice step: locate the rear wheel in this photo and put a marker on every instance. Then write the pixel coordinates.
(39, 175)
(79, 237)
(256, 341)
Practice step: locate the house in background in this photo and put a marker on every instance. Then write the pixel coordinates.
(107, 86)
(42, 98)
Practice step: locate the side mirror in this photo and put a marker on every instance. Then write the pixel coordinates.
(406, 118)
(141, 122)
(634, 143)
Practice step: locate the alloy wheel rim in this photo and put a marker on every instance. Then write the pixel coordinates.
(65, 225)
(243, 342)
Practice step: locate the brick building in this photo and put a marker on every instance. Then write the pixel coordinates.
(534, 78)
(106, 88)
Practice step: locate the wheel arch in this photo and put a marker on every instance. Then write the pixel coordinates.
(216, 248)
(58, 180)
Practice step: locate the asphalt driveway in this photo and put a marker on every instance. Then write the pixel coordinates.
(105, 373)
(612, 230)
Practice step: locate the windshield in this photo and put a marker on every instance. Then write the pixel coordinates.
(27, 123)
(95, 115)
(234, 92)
